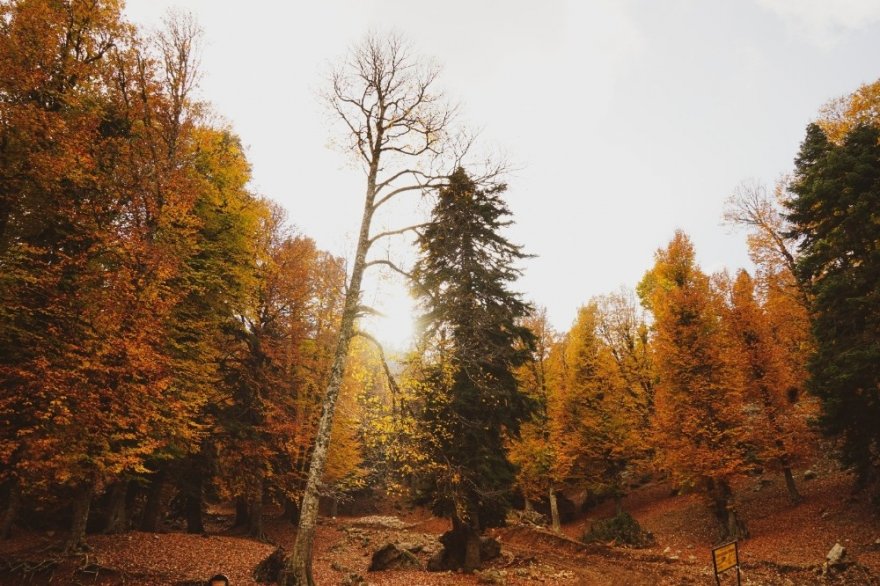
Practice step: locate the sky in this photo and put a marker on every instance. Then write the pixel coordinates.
(623, 120)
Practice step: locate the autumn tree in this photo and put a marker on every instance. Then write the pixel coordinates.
(597, 419)
(698, 399)
(780, 431)
(92, 237)
(833, 212)
(841, 115)
(472, 399)
(393, 119)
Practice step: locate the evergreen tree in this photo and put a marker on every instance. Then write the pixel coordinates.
(835, 213)
(471, 395)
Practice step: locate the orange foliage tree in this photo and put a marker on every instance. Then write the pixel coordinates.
(699, 395)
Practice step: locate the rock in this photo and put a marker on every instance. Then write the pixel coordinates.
(877, 544)
(411, 546)
(269, 570)
(810, 475)
(667, 550)
(489, 549)
(491, 577)
(391, 557)
(353, 579)
(835, 557)
(435, 562)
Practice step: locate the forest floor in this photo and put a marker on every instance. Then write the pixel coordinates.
(787, 546)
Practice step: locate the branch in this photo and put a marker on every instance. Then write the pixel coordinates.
(387, 233)
(392, 384)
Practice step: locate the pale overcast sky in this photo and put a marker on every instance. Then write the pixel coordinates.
(625, 119)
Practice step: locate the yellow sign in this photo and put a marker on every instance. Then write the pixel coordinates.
(725, 557)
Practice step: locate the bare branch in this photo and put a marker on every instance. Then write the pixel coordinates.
(388, 233)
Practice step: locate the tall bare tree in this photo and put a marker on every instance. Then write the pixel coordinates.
(397, 125)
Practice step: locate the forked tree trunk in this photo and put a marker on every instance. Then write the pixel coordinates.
(117, 517)
(554, 511)
(725, 510)
(82, 502)
(13, 504)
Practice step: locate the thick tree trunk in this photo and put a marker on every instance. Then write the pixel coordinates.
(13, 504)
(117, 517)
(554, 512)
(153, 507)
(298, 571)
(725, 510)
(82, 502)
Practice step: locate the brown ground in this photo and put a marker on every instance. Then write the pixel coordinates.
(787, 546)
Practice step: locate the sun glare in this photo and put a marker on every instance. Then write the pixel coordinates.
(395, 328)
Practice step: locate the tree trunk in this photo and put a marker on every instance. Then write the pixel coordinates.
(554, 512)
(793, 495)
(618, 504)
(725, 510)
(242, 512)
(255, 512)
(195, 521)
(298, 571)
(291, 510)
(528, 505)
(334, 507)
(471, 551)
(13, 505)
(117, 517)
(82, 502)
(153, 507)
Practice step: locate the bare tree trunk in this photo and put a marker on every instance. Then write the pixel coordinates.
(554, 511)
(195, 521)
(298, 571)
(528, 505)
(153, 506)
(334, 506)
(117, 517)
(13, 505)
(387, 104)
(82, 502)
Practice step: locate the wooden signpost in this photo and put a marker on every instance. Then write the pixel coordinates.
(726, 557)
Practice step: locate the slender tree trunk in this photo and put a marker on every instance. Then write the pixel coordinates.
(554, 512)
(255, 511)
(334, 507)
(153, 506)
(117, 517)
(793, 495)
(528, 505)
(13, 505)
(298, 571)
(82, 502)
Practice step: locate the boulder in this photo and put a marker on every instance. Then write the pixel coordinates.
(835, 557)
(491, 577)
(391, 557)
(810, 475)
